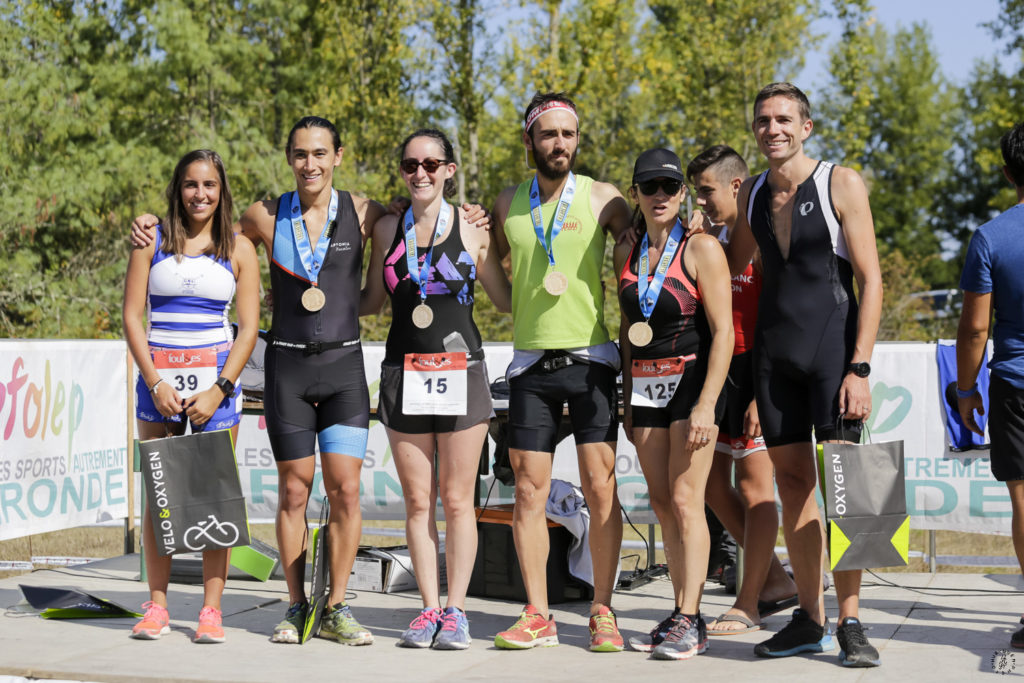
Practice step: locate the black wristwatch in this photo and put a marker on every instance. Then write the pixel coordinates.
(225, 385)
(859, 369)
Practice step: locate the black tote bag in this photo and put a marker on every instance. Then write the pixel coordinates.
(193, 492)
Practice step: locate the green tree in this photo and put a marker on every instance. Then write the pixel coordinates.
(849, 99)
(993, 101)
(705, 60)
(460, 80)
(363, 84)
(891, 122)
(65, 179)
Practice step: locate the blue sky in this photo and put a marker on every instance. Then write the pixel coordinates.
(956, 30)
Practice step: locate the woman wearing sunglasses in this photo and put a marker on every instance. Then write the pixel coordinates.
(676, 340)
(434, 392)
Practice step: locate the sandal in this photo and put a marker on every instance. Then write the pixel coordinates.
(739, 619)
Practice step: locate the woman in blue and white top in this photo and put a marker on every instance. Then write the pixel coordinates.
(183, 284)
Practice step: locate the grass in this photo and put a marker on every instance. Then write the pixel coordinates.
(101, 542)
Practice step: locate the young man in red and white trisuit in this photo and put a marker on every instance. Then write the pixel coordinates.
(748, 509)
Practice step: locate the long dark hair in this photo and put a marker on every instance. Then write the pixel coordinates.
(446, 146)
(173, 227)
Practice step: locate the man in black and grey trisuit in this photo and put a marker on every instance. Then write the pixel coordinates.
(812, 222)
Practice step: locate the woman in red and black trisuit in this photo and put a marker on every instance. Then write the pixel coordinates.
(676, 341)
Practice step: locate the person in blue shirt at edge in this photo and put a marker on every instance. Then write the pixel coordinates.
(993, 282)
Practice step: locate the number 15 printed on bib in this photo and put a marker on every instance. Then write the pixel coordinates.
(434, 384)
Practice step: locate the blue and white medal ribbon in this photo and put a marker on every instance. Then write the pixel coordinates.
(641, 333)
(422, 315)
(313, 299)
(554, 282)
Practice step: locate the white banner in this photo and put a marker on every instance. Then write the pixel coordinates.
(63, 413)
(62, 416)
(944, 491)
(380, 489)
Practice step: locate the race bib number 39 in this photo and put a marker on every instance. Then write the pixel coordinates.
(655, 381)
(189, 371)
(434, 384)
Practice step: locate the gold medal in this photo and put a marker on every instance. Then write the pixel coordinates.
(640, 334)
(556, 283)
(313, 299)
(422, 316)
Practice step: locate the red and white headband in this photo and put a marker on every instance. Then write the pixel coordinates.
(549, 106)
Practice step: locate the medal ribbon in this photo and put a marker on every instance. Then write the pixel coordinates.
(312, 260)
(564, 201)
(648, 292)
(421, 276)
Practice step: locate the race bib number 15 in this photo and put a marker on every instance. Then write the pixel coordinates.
(655, 381)
(189, 371)
(434, 384)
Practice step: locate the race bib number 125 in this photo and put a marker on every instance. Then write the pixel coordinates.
(655, 381)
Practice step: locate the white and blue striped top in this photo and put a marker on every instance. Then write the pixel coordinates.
(188, 300)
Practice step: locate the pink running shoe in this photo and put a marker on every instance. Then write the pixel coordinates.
(209, 629)
(154, 623)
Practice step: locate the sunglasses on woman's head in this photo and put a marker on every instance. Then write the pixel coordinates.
(667, 185)
(429, 165)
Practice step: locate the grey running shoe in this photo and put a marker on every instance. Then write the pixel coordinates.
(686, 638)
(648, 642)
(290, 629)
(339, 624)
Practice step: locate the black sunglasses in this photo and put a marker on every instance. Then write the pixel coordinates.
(429, 165)
(667, 185)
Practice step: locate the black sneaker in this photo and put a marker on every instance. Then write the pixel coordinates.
(1017, 639)
(648, 642)
(801, 634)
(854, 648)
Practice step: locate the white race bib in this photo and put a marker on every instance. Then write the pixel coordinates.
(655, 381)
(434, 384)
(189, 371)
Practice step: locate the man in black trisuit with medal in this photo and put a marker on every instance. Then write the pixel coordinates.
(553, 228)
(812, 222)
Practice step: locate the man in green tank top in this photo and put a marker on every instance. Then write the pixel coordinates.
(553, 228)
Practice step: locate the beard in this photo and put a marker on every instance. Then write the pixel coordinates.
(548, 171)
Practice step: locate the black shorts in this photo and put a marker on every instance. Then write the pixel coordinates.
(306, 394)
(681, 404)
(738, 392)
(389, 403)
(538, 395)
(1006, 428)
(792, 401)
